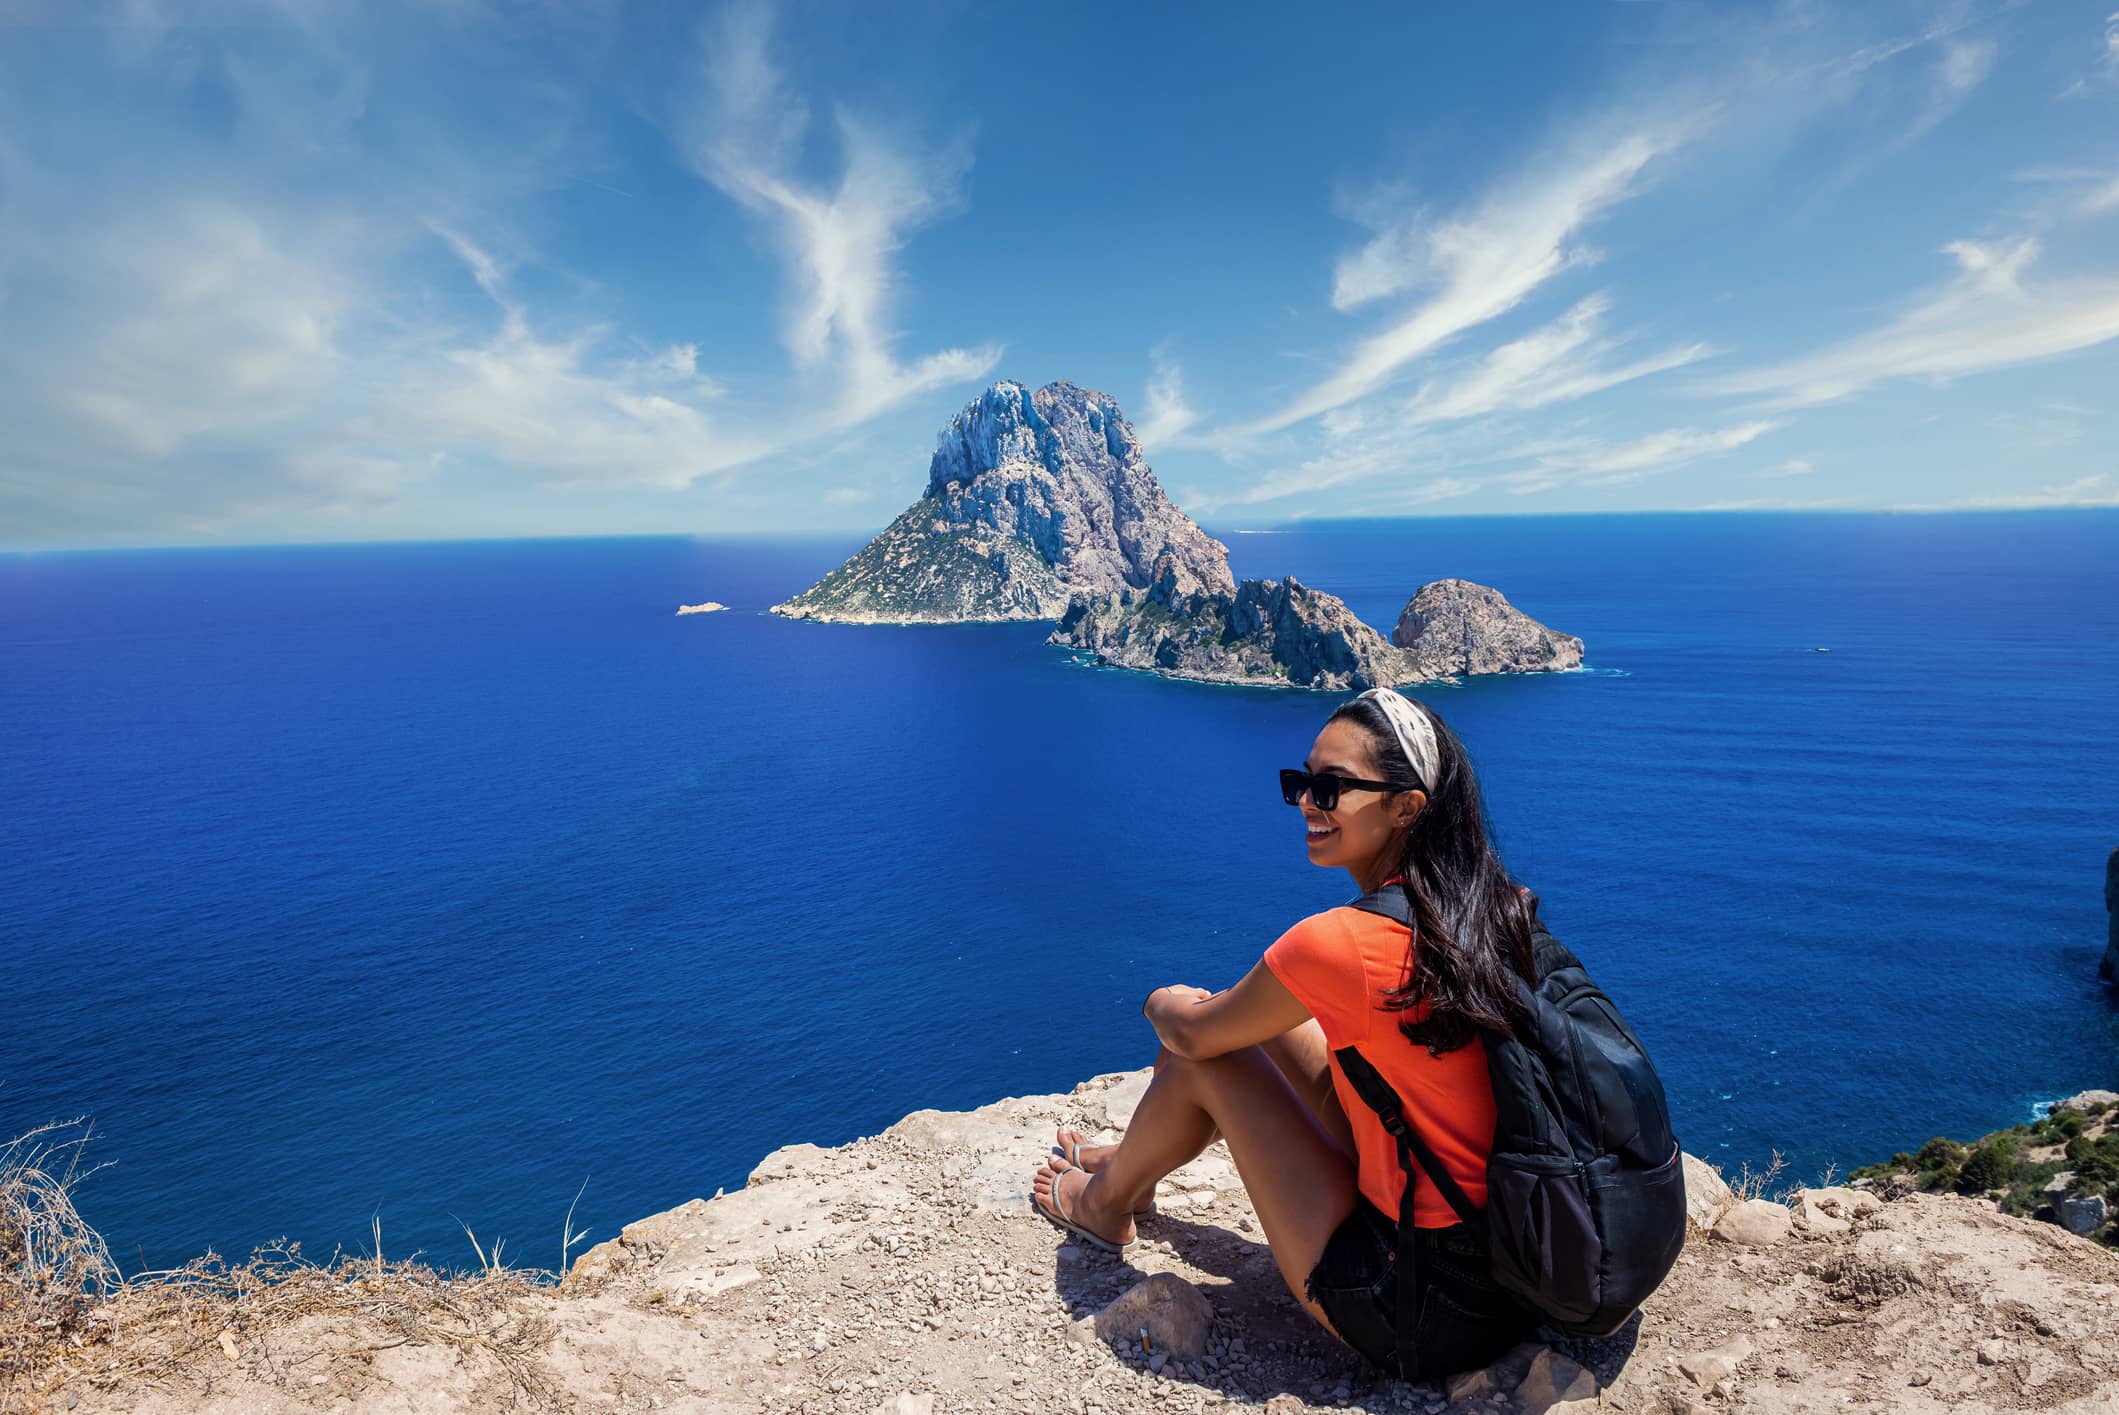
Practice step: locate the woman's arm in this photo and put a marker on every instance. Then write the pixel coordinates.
(1197, 1024)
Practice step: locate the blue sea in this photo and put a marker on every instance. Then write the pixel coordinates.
(426, 883)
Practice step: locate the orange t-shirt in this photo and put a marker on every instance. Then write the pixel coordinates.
(1339, 964)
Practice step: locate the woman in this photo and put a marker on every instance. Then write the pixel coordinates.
(1387, 793)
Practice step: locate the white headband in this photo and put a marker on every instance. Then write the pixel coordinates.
(1416, 734)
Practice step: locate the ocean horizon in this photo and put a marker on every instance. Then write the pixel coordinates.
(425, 881)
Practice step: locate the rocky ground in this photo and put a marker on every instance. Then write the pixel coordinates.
(907, 1273)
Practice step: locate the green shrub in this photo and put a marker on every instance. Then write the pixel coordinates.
(2095, 1162)
(2027, 1187)
(1900, 1163)
(1940, 1153)
(1989, 1165)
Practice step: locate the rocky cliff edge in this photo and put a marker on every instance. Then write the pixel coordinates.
(906, 1273)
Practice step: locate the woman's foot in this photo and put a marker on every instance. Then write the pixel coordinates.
(1075, 1204)
(1075, 1146)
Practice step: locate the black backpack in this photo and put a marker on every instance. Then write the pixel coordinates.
(1585, 1190)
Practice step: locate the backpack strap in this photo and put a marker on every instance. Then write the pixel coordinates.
(1369, 1084)
(1374, 1089)
(1390, 901)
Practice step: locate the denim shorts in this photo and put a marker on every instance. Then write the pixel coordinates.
(1464, 1319)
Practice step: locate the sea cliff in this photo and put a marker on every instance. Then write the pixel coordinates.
(2109, 968)
(906, 1273)
(1273, 631)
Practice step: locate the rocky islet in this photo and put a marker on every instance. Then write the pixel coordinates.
(1031, 499)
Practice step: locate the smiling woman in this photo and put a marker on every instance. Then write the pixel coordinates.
(1387, 794)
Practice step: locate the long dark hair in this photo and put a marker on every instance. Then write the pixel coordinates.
(1471, 922)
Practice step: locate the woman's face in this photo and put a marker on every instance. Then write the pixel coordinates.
(1364, 825)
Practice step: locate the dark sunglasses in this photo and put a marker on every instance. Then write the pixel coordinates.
(1323, 786)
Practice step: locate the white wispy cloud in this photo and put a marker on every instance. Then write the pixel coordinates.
(1793, 467)
(569, 410)
(2104, 70)
(1771, 503)
(1565, 360)
(1479, 264)
(1165, 415)
(1378, 438)
(2095, 190)
(1593, 462)
(1964, 65)
(839, 242)
(1960, 67)
(2097, 489)
(1990, 315)
(196, 342)
(205, 321)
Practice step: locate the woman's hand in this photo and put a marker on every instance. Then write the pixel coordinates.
(1175, 993)
(1163, 1007)
(1193, 1022)
(1160, 1002)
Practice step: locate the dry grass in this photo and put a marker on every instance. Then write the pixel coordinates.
(1759, 1184)
(68, 1316)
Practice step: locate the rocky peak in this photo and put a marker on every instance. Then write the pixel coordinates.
(1031, 499)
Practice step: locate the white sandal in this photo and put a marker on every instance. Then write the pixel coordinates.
(1075, 1158)
(1059, 1215)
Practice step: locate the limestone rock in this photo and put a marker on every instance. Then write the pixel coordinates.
(910, 1404)
(1031, 499)
(1754, 1223)
(1457, 627)
(1717, 1363)
(1109, 1099)
(1811, 1217)
(1275, 633)
(1176, 1317)
(1707, 1195)
(2082, 1216)
(2085, 1099)
(1501, 1377)
(1842, 1202)
(1551, 1380)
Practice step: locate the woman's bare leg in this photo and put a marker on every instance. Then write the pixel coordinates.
(1302, 1056)
(1299, 1181)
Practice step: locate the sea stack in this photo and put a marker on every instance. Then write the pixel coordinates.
(1457, 627)
(1031, 499)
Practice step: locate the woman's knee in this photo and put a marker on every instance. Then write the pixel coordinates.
(1241, 1062)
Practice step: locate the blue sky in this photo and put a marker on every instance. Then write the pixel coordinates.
(321, 271)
